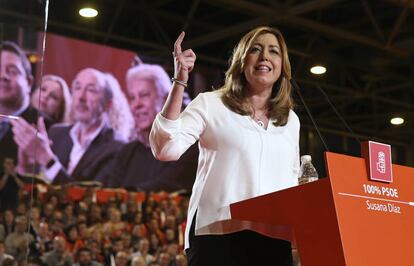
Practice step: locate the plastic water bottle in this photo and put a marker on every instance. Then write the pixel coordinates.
(307, 172)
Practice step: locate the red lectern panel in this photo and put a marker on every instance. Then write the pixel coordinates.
(343, 220)
(376, 219)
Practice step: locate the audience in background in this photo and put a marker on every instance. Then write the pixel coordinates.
(58, 255)
(7, 224)
(17, 242)
(85, 258)
(3, 254)
(88, 240)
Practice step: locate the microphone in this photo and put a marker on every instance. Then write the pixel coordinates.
(355, 136)
(296, 87)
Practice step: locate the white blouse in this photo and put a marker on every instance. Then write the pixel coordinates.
(238, 159)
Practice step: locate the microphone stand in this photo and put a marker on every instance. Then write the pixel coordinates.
(338, 114)
(297, 88)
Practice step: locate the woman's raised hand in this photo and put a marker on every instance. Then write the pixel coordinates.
(183, 61)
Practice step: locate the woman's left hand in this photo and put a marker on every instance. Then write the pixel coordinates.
(183, 61)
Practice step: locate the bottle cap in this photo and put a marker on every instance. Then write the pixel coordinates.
(305, 158)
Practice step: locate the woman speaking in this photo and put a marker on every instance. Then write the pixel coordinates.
(249, 146)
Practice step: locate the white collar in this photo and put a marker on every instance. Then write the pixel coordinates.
(74, 133)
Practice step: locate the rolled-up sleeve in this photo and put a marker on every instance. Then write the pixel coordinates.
(169, 139)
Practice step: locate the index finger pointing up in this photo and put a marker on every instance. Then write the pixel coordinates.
(177, 44)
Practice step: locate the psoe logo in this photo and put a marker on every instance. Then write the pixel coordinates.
(378, 159)
(381, 162)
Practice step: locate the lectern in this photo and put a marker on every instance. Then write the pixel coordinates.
(344, 219)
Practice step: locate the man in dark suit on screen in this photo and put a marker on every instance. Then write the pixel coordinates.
(15, 84)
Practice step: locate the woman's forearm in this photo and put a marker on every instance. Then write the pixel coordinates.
(172, 106)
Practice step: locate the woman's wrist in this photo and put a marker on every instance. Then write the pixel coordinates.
(180, 82)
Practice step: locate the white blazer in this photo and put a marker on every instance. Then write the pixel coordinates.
(238, 159)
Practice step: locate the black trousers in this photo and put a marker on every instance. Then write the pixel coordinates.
(244, 248)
